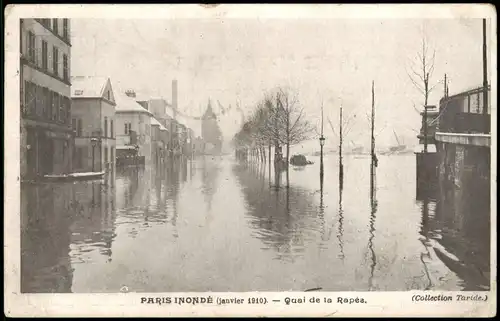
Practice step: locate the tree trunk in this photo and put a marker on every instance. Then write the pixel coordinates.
(269, 152)
(287, 166)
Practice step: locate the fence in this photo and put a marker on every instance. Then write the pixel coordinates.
(463, 113)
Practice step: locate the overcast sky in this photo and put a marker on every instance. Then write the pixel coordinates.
(328, 60)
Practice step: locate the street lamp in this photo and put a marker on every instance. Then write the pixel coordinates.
(321, 143)
(94, 142)
(136, 155)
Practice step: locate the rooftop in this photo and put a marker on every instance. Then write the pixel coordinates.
(155, 122)
(88, 86)
(125, 103)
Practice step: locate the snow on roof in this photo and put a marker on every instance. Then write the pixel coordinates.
(155, 122)
(125, 103)
(87, 86)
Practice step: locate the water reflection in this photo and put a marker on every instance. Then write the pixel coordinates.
(210, 171)
(455, 228)
(63, 224)
(373, 212)
(225, 225)
(284, 219)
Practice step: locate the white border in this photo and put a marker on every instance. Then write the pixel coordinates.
(378, 303)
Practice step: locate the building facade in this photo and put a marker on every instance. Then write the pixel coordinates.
(133, 127)
(45, 92)
(93, 122)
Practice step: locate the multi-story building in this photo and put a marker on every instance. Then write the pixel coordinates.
(45, 92)
(93, 120)
(133, 127)
(159, 139)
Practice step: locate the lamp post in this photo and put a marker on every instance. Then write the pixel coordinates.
(321, 144)
(136, 155)
(93, 141)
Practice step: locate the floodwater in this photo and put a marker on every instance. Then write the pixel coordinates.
(214, 224)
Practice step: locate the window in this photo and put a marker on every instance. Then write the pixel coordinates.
(105, 126)
(79, 128)
(105, 156)
(45, 58)
(31, 47)
(55, 26)
(68, 106)
(60, 105)
(40, 102)
(73, 124)
(55, 105)
(65, 67)
(111, 129)
(45, 22)
(112, 155)
(55, 60)
(126, 128)
(65, 29)
(129, 127)
(29, 97)
(46, 102)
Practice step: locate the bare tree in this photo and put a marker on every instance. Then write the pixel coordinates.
(296, 128)
(421, 70)
(278, 119)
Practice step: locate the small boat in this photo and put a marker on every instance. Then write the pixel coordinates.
(299, 160)
(74, 177)
(400, 147)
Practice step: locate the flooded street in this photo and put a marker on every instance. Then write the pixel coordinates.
(214, 224)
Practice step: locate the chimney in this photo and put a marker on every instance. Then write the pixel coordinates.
(130, 93)
(174, 95)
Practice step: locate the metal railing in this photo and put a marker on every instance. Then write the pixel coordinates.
(465, 113)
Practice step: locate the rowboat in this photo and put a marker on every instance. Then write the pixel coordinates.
(74, 177)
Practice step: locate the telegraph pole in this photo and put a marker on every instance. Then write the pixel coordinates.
(321, 143)
(341, 166)
(485, 78)
(374, 160)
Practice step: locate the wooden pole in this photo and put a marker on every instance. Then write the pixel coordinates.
(445, 86)
(372, 148)
(341, 166)
(485, 78)
(373, 163)
(321, 153)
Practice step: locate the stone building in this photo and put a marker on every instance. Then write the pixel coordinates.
(133, 127)
(45, 97)
(93, 122)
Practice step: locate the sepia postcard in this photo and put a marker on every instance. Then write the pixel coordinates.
(250, 160)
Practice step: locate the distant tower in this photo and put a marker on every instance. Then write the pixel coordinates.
(210, 130)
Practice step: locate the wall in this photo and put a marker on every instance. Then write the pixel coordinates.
(88, 110)
(141, 123)
(43, 130)
(42, 34)
(109, 137)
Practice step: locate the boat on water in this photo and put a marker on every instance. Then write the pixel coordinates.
(74, 177)
(357, 150)
(299, 160)
(400, 147)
